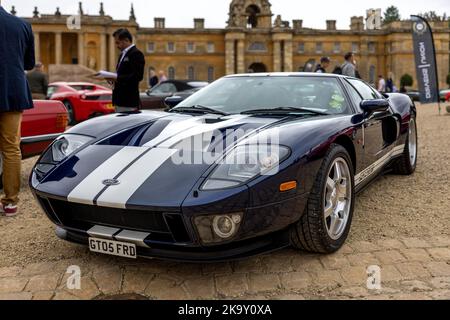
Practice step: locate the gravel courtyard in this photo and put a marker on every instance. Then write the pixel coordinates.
(401, 224)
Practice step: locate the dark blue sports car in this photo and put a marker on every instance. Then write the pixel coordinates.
(249, 164)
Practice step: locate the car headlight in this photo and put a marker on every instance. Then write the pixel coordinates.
(244, 163)
(66, 145)
(61, 148)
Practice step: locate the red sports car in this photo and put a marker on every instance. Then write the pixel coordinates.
(40, 126)
(82, 100)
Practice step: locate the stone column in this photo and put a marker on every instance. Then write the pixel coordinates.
(81, 48)
(58, 48)
(37, 46)
(277, 56)
(112, 54)
(103, 51)
(288, 56)
(230, 57)
(241, 56)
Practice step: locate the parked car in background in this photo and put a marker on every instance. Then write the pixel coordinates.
(444, 95)
(40, 126)
(82, 100)
(154, 98)
(414, 95)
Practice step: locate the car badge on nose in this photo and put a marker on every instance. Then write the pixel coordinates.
(111, 182)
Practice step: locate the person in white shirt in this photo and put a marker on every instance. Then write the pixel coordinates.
(381, 84)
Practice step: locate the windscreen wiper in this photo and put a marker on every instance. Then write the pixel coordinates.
(199, 108)
(283, 110)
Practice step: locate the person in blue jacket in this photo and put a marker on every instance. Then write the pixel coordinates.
(16, 56)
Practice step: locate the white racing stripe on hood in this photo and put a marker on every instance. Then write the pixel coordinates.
(200, 129)
(174, 128)
(130, 181)
(86, 191)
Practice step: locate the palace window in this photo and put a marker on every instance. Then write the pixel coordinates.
(150, 47)
(355, 47)
(371, 47)
(337, 47)
(190, 47)
(301, 47)
(171, 73)
(191, 73)
(210, 74)
(257, 46)
(319, 47)
(171, 47)
(210, 47)
(372, 74)
(390, 47)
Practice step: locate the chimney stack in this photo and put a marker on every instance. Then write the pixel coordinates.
(199, 23)
(357, 24)
(160, 23)
(298, 24)
(331, 24)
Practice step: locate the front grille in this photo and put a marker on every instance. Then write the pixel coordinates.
(83, 217)
(73, 214)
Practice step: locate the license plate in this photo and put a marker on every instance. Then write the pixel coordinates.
(114, 248)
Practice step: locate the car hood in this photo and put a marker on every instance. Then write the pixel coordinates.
(143, 166)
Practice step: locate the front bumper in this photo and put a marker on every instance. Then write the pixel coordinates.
(171, 235)
(228, 252)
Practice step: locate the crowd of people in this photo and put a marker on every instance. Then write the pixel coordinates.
(349, 68)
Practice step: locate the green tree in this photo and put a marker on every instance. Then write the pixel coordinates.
(406, 80)
(391, 14)
(433, 16)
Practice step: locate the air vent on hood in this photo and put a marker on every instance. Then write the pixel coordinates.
(124, 138)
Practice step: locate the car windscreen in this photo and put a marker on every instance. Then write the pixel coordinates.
(51, 90)
(241, 94)
(82, 87)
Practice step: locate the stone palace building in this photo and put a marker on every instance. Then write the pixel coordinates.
(254, 38)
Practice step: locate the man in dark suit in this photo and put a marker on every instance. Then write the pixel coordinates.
(38, 82)
(16, 56)
(130, 71)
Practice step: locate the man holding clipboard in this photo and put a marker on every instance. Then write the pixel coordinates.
(130, 71)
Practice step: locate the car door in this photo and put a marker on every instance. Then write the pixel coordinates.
(380, 128)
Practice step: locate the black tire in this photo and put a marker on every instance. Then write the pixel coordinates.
(71, 112)
(310, 233)
(404, 165)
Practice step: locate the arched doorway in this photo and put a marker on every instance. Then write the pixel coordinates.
(257, 67)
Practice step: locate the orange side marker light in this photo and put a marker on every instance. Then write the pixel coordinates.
(287, 186)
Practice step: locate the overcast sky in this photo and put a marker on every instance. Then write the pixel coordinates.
(180, 13)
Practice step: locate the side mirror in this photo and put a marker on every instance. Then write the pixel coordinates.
(377, 105)
(173, 101)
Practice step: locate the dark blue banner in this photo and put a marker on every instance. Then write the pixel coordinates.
(425, 57)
